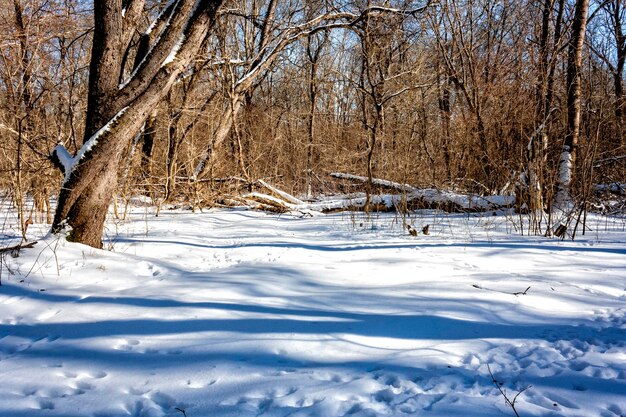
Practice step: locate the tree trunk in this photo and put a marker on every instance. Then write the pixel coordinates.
(147, 138)
(445, 113)
(310, 124)
(620, 44)
(173, 143)
(570, 144)
(87, 193)
(117, 108)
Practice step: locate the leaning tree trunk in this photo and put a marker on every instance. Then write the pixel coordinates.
(85, 197)
(118, 105)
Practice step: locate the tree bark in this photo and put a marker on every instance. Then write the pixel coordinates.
(147, 144)
(620, 46)
(313, 52)
(570, 144)
(117, 108)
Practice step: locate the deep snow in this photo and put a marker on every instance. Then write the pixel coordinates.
(241, 313)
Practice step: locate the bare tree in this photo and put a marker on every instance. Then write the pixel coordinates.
(119, 103)
(383, 50)
(574, 69)
(300, 88)
(609, 45)
(275, 35)
(534, 179)
(315, 45)
(39, 56)
(480, 49)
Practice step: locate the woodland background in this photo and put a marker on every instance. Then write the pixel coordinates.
(464, 95)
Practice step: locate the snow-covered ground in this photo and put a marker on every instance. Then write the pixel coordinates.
(241, 313)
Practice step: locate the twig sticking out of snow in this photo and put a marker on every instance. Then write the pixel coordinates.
(522, 292)
(507, 400)
(503, 292)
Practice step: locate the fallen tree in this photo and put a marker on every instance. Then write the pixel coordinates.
(18, 247)
(260, 195)
(413, 198)
(273, 199)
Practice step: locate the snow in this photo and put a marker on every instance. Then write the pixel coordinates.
(431, 195)
(615, 188)
(65, 158)
(124, 83)
(69, 163)
(172, 56)
(563, 199)
(242, 313)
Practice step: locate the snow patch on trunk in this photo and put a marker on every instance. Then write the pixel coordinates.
(563, 197)
(172, 56)
(70, 165)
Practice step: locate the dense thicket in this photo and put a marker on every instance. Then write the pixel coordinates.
(466, 94)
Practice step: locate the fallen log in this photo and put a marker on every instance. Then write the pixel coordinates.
(280, 193)
(18, 247)
(413, 198)
(376, 181)
(612, 188)
(268, 203)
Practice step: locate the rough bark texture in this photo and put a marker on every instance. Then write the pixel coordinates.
(620, 46)
(118, 107)
(570, 144)
(147, 138)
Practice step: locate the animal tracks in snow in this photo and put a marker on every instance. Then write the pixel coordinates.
(233, 313)
(136, 346)
(59, 388)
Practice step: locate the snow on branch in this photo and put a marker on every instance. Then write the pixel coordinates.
(382, 183)
(285, 196)
(64, 160)
(220, 62)
(172, 56)
(166, 15)
(270, 200)
(412, 12)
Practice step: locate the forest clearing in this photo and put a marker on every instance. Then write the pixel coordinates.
(319, 208)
